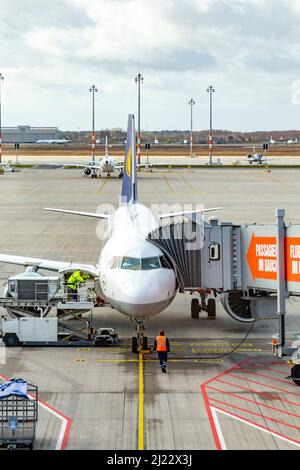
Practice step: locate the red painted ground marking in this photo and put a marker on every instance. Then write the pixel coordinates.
(267, 377)
(260, 415)
(256, 366)
(66, 418)
(264, 385)
(253, 401)
(274, 397)
(219, 378)
(207, 405)
(270, 361)
(256, 425)
(211, 419)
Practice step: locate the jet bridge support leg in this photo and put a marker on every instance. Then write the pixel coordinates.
(205, 305)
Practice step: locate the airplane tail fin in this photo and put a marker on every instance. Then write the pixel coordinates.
(106, 146)
(129, 188)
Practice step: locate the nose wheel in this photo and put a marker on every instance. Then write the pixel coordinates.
(140, 341)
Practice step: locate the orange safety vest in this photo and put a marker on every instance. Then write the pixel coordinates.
(161, 343)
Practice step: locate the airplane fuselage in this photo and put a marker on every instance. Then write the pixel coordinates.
(135, 277)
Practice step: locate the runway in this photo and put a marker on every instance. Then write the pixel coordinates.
(112, 399)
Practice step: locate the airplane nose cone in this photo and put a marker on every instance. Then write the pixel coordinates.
(143, 291)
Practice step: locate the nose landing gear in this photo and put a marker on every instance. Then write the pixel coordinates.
(139, 342)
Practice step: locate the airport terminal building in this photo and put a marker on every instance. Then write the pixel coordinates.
(28, 135)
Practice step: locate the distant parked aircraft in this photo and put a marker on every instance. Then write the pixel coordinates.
(53, 141)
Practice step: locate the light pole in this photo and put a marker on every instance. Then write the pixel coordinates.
(191, 103)
(93, 90)
(210, 90)
(139, 79)
(1, 80)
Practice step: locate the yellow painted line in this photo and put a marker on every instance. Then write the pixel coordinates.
(168, 184)
(222, 350)
(141, 403)
(213, 345)
(117, 360)
(83, 349)
(189, 185)
(116, 349)
(102, 186)
(79, 360)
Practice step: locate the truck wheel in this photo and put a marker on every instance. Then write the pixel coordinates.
(295, 372)
(145, 343)
(134, 344)
(10, 340)
(195, 309)
(211, 308)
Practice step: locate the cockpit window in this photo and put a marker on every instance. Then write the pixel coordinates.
(137, 264)
(150, 263)
(131, 263)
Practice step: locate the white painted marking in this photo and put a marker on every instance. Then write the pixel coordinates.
(218, 428)
(2, 353)
(249, 424)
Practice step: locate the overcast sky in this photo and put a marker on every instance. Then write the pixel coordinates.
(52, 50)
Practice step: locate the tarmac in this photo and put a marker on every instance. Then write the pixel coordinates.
(183, 159)
(109, 398)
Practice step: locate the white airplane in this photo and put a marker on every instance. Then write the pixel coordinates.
(255, 157)
(106, 165)
(134, 276)
(53, 141)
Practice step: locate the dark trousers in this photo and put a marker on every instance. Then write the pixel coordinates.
(163, 358)
(73, 294)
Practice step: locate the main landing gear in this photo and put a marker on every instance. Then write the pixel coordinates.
(94, 174)
(139, 342)
(121, 174)
(204, 305)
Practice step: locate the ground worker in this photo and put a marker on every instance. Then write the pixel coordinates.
(75, 280)
(162, 347)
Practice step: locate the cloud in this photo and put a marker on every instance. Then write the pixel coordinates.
(248, 48)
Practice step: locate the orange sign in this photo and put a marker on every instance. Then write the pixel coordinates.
(261, 258)
(292, 253)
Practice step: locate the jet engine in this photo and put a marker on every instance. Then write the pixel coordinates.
(87, 171)
(247, 308)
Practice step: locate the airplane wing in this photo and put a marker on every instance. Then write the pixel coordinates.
(120, 166)
(84, 214)
(76, 165)
(82, 165)
(59, 266)
(176, 214)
